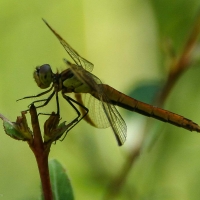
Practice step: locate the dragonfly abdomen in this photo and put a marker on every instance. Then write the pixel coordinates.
(124, 101)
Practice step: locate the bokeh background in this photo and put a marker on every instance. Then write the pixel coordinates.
(126, 42)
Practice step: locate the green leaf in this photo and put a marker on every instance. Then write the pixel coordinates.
(146, 91)
(18, 130)
(175, 18)
(60, 182)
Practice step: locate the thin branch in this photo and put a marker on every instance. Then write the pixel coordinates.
(182, 63)
(41, 153)
(176, 70)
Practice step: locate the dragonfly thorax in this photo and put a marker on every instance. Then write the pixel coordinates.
(43, 76)
(73, 84)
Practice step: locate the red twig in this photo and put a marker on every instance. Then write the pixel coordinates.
(176, 70)
(41, 152)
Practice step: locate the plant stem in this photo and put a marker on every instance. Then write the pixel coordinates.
(41, 152)
(177, 68)
(183, 62)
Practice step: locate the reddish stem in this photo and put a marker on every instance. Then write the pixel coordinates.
(176, 70)
(41, 153)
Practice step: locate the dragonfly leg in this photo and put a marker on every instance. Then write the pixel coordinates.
(76, 120)
(46, 101)
(38, 95)
(57, 103)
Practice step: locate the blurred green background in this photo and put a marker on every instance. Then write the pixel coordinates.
(124, 40)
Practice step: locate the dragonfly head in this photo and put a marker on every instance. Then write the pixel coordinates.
(43, 76)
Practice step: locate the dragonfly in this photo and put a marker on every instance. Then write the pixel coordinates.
(97, 101)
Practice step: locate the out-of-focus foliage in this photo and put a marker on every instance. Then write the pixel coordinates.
(60, 182)
(125, 41)
(146, 91)
(18, 130)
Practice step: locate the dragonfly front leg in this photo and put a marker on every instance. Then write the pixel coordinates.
(38, 95)
(46, 101)
(76, 120)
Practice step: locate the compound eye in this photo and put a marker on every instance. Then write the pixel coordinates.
(43, 76)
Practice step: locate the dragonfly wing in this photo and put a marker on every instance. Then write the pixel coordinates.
(96, 116)
(85, 76)
(109, 113)
(116, 121)
(80, 61)
(102, 115)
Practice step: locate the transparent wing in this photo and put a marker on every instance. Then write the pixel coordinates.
(96, 116)
(80, 61)
(103, 115)
(116, 121)
(101, 112)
